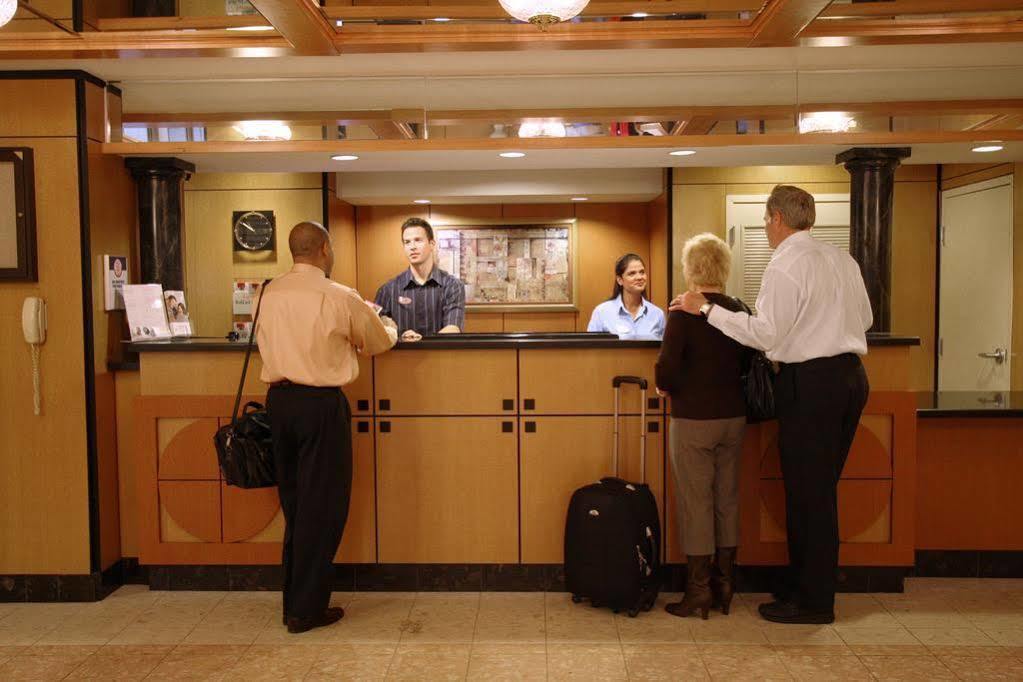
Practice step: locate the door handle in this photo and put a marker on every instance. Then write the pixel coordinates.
(998, 355)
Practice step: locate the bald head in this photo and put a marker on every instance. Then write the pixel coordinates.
(306, 240)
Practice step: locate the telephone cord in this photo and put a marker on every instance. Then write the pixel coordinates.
(37, 397)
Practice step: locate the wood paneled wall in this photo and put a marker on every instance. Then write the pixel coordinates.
(44, 506)
(699, 205)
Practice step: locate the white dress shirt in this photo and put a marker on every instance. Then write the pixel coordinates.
(310, 329)
(812, 304)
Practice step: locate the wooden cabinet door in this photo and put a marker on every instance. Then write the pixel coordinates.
(360, 391)
(359, 542)
(447, 490)
(561, 454)
(573, 381)
(448, 382)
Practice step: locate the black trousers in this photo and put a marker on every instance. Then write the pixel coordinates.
(819, 403)
(312, 437)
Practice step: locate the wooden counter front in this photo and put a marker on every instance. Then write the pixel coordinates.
(470, 455)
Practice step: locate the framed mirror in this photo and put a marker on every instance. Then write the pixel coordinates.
(17, 216)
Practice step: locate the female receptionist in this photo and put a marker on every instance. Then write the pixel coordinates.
(627, 313)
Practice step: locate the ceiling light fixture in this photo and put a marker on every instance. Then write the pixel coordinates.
(682, 152)
(264, 130)
(512, 155)
(989, 147)
(246, 28)
(826, 122)
(421, 201)
(543, 13)
(442, 19)
(542, 128)
(344, 157)
(580, 198)
(8, 8)
(639, 15)
(339, 23)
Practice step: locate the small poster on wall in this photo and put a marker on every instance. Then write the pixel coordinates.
(242, 330)
(115, 276)
(147, 317)
(177, 313)
(244, 297)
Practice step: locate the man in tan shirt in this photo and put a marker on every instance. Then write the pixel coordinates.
(310, 332)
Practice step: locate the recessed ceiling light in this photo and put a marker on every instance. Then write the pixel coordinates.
(639, 15)
(989, 148)
(442, 19)
(339, 23)
(251, 28)
(344, 157)
(682, 152)
(580, 198)
(512, 155)
(421, 201)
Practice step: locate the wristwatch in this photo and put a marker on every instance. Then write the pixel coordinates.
(705, 309)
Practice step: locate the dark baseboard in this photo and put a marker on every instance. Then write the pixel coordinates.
(768, 578)
(947, 563)
(51, 588)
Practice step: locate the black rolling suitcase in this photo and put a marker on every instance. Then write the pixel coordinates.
(613, 533)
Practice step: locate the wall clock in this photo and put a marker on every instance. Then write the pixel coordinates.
(253, 230)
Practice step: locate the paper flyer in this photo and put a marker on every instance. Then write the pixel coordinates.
(147, 317)
(115, 276)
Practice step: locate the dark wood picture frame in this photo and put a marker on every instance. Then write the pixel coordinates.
(24, 206)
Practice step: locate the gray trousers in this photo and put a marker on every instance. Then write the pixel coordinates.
(705, 461)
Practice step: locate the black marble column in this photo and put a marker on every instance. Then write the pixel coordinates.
(161, 229)
(870, 236)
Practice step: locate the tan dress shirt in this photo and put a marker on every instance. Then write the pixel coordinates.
(311, 330)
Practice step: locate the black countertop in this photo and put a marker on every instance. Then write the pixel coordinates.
(475, 341)
(994, 404)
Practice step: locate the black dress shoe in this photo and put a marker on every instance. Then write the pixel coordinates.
(328, 617)
(789, 612)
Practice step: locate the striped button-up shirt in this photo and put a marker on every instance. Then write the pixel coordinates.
(428, 307)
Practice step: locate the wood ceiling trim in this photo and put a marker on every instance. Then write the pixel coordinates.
(781, 22)
(301, 23)
(909, 7)
(494, 11)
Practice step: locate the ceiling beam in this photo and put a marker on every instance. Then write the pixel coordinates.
(894, 8)
(781, 22)
(301, 23)
(999, 122)
(697, 125)
(611, 8)
(897, 31)
(179, 23)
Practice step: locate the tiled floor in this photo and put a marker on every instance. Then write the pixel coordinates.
(937, 630)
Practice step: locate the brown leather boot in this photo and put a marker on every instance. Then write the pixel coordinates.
(698, 596)
(722, 580)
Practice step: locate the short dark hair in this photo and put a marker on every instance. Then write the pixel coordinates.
(795, 205)
(418, 222)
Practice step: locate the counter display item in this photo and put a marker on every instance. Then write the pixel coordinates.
(147, 317)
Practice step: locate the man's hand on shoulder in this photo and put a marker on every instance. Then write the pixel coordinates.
(689, 302)
(411, 335)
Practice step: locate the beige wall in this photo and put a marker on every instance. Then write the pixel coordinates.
(44, 509)
(699, 206)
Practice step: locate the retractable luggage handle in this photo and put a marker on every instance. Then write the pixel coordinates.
(617, 384)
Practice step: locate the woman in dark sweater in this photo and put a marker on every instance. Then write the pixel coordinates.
(701, 369)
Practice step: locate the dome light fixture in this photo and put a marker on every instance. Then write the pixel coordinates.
(988, 147)
(826, 122)
(420, 201)
(541, 127)
(580, 198)
(264, 131)
(512, 155)
(543, 13)
(682, 152)
(8, 8)
(344, 157)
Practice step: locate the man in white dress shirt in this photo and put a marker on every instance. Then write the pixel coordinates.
(812, 316)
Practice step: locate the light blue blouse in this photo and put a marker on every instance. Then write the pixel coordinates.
(611, 316)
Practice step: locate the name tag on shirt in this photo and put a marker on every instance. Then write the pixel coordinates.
(404, 300)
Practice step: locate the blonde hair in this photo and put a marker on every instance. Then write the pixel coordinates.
(706, 260)
(795, 205)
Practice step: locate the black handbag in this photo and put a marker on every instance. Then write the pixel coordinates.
(245, 446)
(758, 383)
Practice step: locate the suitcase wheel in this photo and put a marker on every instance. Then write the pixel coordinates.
(595, 604)
(633, 613)
(576, 599)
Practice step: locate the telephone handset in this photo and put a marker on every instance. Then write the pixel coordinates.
(33, 324)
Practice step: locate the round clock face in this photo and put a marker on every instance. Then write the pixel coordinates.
(253, 231)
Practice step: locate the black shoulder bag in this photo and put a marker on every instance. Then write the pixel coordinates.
(244, 447)
(758, 383)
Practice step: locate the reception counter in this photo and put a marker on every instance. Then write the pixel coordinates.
(467, 449)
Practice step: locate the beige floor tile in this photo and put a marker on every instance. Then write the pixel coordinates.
(751, 667)
(512, 625)
(438, 618)
(801, 634)
(523, 661)
(968, 636)
(741, 650)
(807, 668)
(653, 626)
(378, 617)
(1005, 636)
(841, 649)
(197, 662)
(664, 662)
(121, 663)
(8, 652)
(270, 662)
(27, 623)
(961, 650)
(985, 667)
(585, 662)
(45, 663)
(352, 662)
(568, 622)
(907, 668)
(928, 616)
(444, 661)
(887, 636)
(720, 631)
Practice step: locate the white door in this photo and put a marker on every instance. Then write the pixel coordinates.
(748, 238)
(975, 313)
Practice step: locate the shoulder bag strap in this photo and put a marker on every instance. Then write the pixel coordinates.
(248, 354)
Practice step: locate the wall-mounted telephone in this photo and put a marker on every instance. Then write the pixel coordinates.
(33, 323)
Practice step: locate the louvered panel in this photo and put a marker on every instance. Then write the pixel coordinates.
(756, 254)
